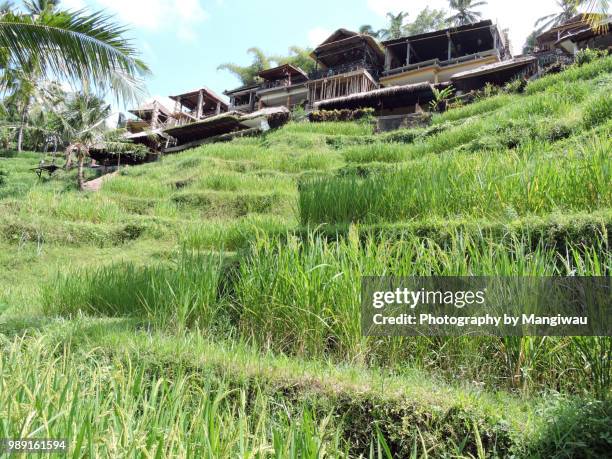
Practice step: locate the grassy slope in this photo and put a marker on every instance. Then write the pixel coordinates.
(222, 196)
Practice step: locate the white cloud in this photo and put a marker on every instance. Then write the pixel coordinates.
(182, 16)
(73, 4)
(318, 35)
(382, 7)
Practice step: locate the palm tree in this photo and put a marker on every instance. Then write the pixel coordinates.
(367, 29)
(465, 13)
(396, 24)
(77, 47)
(83, 123)
(248, 74)
(569, 9)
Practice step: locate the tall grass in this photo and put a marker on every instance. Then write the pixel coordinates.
(303, 297)
(479, 186)
(180, 295)
(120, 408)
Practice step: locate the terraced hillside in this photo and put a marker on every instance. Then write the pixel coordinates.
(207, 305)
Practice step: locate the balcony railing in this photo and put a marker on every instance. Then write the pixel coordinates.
(341, 69)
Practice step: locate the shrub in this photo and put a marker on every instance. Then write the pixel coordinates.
(3, 177)
(341, 115)
(585, 56)
(598, 110)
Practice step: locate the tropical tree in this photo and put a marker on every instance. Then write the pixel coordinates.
(465, 12)
(428, 20)
(87, 49)
(367, 29)
(248, 74)
(567, 10)
(299, 57)
(83, 122)
(395, 27)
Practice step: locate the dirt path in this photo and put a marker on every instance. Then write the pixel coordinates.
(96, 184)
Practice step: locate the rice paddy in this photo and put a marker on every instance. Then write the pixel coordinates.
(208, 305)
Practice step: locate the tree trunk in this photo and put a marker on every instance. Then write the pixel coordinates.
(81, 158)
(24, 119)
(68, 157)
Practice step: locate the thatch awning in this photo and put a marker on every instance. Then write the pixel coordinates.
(495, 67)
(343, 39)
(390, 97)
(225, 123)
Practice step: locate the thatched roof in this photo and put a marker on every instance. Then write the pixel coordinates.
(282, 71)
(342, 38)
(495, 67)
(392, 95)
(222, 124)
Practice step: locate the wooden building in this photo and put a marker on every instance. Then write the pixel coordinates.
(347, 63)
(282, 86)
(598, 36)
(244, 98)
(194, 106)
(434, 57)
(150, 116)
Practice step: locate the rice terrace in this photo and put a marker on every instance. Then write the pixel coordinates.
(186, 278)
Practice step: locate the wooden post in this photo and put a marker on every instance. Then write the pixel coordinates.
(218, 108)
(200, 104)
(494, 30)
(450, 46)
(387, 59)
(155, 116)
(408, 54)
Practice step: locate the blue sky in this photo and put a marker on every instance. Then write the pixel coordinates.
(184, 41)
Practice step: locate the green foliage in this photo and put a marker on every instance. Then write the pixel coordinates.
(319, 116)
(3, 177)
(585, 56)
(598, 110)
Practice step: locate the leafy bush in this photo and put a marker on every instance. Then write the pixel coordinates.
(341, 115)
(598, 110)
(585, 56)
(3, 177)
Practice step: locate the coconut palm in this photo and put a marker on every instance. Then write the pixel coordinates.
(84, 48)
(367, 29)
(248, 74)
(568, 9)
(83, 123)
(465, 12)
(396, 24)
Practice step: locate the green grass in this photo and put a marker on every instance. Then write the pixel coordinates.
(482, 185)
(208, 304)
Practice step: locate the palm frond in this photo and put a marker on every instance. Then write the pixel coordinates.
(88, 48)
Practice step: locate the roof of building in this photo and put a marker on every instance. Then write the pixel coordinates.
(148, 108)
(343, 37)
(282, 71)
(190, 99)
(601, 27)
(575, 23)
(486, 23)
(244, 87)
(369, 97)
(496, 66)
